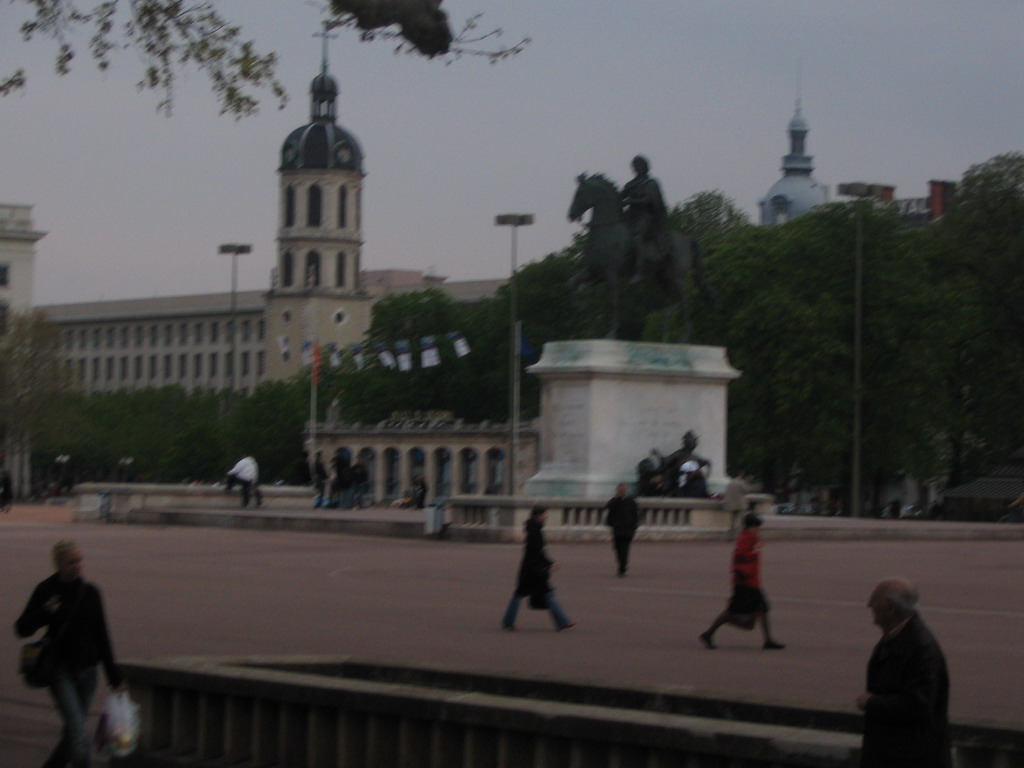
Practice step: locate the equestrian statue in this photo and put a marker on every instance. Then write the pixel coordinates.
(629, 240)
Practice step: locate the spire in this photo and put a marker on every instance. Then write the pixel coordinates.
(797, 162)
(324, 90)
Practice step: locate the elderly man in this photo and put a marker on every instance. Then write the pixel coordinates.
(907, 698)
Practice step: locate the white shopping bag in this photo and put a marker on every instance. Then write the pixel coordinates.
(118, 732)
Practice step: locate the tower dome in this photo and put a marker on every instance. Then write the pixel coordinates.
(797, 191)
(322, 143)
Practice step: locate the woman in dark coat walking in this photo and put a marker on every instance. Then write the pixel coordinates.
(533, 577)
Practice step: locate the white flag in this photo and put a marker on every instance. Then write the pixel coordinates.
(282, 344)
(404, 356)
(461, 345)
(429, 356)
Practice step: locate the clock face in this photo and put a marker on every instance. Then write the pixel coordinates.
(291, 150)
(343, 153)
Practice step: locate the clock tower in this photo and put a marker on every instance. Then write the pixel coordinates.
(315, 293)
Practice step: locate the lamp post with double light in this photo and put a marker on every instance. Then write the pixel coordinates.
(234, 249)
(514, 220)
(861, 191)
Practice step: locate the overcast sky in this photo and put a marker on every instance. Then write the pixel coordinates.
(135, 203)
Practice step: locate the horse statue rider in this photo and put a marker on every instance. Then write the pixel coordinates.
(647, 218)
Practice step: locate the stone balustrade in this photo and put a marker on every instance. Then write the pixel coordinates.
(315, 712)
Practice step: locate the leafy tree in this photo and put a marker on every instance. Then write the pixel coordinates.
(168, 35)
(34, 376)
(976, 257)
(269, 424)
(787, 297)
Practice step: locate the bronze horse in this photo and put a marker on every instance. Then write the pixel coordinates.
(608, 255)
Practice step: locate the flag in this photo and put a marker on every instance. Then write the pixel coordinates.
(334, 354)
(525, 350)
(461, 345)
(357, 355)
(307, 353)
(384, 355)
(429, 356)
(404, 355)
(282, 344)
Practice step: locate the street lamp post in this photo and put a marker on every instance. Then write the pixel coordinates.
(234, 249)
(861, 191)
(514, 220)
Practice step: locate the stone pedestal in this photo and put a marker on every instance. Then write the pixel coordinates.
(606, 404)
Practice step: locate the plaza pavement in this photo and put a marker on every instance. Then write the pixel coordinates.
(173, 591)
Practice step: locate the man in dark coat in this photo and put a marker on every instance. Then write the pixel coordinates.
(623, 519)
(906, 704)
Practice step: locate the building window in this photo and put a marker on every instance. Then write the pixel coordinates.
(97, 338)
(111, 337)
(199, 333)
(312, 269)
(153, 332)
(214, 331)
(183, 334)
(213, 365)
(182, 367)
(124, 368)
(124, 337)
(168, 335)
(314, 200)
(260, 361)
(109, 366)
(138, 367)
(246, 330)
(197, 367)
(140, 334)
(83, 338)
(95, 369)
(289, 206)
(229, 365)
(287, 269)
(342, 207)
(339, 270)
(81, 369)
(167, 367)
(5, 275)
(245, 363)
(262, 329)
(152, 367)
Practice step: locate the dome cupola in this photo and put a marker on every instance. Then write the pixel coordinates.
(322, 143)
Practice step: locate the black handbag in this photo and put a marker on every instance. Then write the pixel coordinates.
(37, 660)
(36, 663)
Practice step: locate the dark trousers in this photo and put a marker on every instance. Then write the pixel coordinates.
(72, 691)
(621, 545)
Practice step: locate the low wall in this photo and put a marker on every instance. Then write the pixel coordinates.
(501, 518)
(113, 502)
(302, 712)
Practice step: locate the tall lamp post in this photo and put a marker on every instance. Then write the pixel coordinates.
(234, 249)
(861, 191)
(514, 220)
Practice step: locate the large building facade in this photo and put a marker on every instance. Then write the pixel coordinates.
(318, 290)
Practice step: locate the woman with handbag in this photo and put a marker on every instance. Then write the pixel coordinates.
(533, 577)
(748, 604)
(77, 641)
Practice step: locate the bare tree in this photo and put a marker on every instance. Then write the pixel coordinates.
(170, 35)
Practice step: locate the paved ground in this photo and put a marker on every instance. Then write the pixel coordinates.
(191, 591)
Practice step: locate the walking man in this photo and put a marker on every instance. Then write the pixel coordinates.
(906, 704)
(623, 519)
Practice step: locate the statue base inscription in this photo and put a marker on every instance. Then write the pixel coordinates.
(605, 405)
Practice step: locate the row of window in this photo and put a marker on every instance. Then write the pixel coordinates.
(311, 275)
(315, 206)
(134, 368)
(185, 333)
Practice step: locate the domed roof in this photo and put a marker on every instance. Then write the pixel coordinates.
(796, 192)
(791, 196)
(322, 143)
